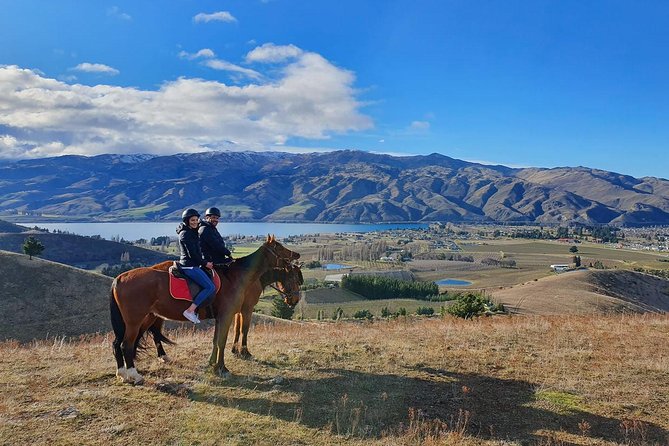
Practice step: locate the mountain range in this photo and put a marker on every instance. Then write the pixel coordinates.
(341, 186)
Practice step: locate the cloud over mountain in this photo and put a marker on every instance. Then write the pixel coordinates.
(307, 97)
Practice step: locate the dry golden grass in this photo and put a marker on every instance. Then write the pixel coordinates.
(545, 380)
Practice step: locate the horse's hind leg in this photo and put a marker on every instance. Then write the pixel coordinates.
(237, 330)
(246, 324)
(157, 327)
(118, 355)
(129, 350)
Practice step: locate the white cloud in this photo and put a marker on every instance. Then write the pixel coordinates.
(204, 53)
(96, 68)
(115, 12)
(273, 53)
(420, 125)
(223, 65)
(310, 99)
(221, 16)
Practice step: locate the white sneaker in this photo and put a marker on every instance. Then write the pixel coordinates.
(191, 316)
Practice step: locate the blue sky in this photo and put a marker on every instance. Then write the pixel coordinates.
(520, 83)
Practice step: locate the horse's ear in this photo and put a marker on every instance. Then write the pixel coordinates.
(273, 239)
(268, 239)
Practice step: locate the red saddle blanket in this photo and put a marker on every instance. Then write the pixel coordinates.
(185, 289)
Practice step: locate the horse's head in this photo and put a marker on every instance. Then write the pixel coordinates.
(289, 281)
(284, 256)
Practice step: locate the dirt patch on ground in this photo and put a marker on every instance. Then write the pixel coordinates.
(587, 292)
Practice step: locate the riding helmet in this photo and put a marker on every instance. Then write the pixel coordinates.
(212, 211)
(188, 213)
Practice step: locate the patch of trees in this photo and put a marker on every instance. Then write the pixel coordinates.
(607, 234)
(454, 257)
(503, 263)
(663, 273)
(160, 241)
(365, 251)
(377, 287)
(534, 234)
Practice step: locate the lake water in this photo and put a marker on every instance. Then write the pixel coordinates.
(452, 282)
(135, 231)
(334, 266)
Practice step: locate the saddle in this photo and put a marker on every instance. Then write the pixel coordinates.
(181, 287)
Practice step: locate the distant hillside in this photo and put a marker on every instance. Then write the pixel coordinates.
(344, 186)
(588, 292)
(41, 298)
(76, 250)
(6, 227)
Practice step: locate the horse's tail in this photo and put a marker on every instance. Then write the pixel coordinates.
(118, 324)
(158, 336)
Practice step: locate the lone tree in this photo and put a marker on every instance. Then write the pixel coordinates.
(32, 247)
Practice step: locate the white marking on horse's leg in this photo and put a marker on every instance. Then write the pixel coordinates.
(164, 359)
(134, 376)
(122, 374)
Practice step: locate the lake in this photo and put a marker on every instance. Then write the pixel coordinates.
(452, 282)
(146, 230)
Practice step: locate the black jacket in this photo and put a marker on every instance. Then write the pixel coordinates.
(212, 244)
(189, 247)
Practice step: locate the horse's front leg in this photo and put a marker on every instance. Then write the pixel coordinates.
(222, 328)
(237, 330)
(214, 350)
(246, 324)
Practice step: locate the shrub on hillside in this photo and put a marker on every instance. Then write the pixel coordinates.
(313, 264)
(338, 314)
(470, 305)
(363, 314)
(427, 311)
(281, 310)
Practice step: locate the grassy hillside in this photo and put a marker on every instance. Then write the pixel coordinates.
(10, 227)
(588, 292)
(41, 298)
(549, 380)
(83, 252)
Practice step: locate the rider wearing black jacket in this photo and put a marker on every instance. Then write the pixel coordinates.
(211, 242)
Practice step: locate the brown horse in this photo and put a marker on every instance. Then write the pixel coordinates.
(141, 294)
(293, 278)
(288, 282)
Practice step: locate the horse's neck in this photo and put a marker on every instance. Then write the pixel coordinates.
(253, 266)
(272, 276)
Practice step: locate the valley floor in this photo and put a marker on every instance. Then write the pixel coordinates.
(544, 380)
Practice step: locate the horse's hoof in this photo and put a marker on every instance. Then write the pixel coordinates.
(223, 373)
(122, 374)
(164, 359)
(235, 350)
(245, 354)
(134, 377)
